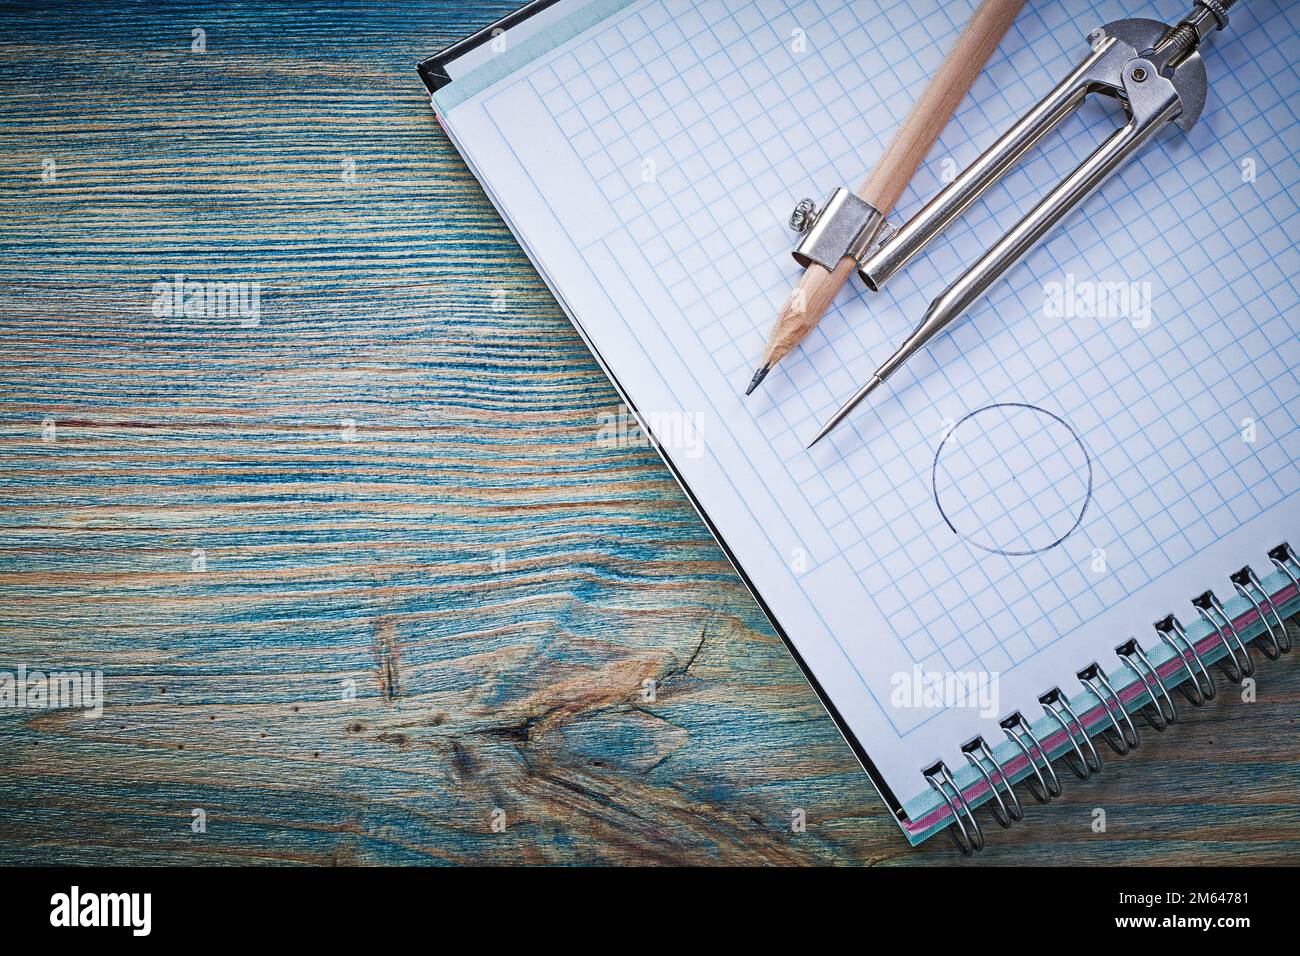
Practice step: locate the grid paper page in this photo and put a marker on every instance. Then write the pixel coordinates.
(1110, 432)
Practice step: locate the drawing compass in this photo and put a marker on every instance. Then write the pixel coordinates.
(1155, 70)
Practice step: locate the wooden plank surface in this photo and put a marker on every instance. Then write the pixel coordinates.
(431, 587)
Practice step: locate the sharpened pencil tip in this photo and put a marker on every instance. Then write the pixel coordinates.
(758, 377)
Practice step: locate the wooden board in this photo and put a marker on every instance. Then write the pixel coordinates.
(491, 573)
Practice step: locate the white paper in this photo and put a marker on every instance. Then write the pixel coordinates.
(1038, 484)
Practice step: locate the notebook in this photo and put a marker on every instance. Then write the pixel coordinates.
(1113, 431)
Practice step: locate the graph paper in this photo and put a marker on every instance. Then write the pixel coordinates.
(1112, 429)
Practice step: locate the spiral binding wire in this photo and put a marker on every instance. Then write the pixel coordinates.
(1212, 611)
(1017, 729)
(1058, 706)
(1120, 740)
(1248, 585)
(977, 751)
(1121, 734)
(971, 840)
(1172, 633)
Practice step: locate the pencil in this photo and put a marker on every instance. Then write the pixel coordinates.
(910, 145)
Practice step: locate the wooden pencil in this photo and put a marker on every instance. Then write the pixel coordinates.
(909, 147)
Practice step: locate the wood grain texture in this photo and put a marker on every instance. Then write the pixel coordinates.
(494, 579)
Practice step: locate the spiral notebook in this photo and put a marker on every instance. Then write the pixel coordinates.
(1079, 507)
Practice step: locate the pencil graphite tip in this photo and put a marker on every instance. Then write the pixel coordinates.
(758, 377)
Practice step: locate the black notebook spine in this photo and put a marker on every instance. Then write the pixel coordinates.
(433, 69)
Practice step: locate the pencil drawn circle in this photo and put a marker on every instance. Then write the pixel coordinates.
(1012, 479)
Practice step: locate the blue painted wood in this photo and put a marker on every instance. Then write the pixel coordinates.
(431, 588)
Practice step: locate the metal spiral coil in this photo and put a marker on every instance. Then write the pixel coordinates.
(1213, 613)
(1286, 561)
(971, 840)
(1017, 728)
(1172, 633)
(1248, 585)
(977, 751)
(1083, 765)
(1120, 739)
(1118, 728)
(1149, 676)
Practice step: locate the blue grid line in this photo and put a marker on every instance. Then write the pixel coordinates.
(1168, 181)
